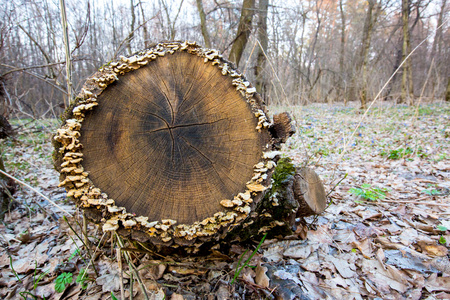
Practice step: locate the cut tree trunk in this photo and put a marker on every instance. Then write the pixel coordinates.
(173, 147)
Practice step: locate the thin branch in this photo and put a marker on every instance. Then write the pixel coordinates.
(15, 69)
(64, 24)
(124, 40)
(37, 192)
(47, 58)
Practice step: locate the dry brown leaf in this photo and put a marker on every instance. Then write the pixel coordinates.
(435, 250)
(248, 274)
(158, 295)
(274, 253)
(223, 292)
(382, 278)
(186, 271)
(435, 283)
(261, 277)
(365, 246)
(23, 265)
(300, 251)
(109, 282)
(153, 269)
(176, 296)
(343, 266)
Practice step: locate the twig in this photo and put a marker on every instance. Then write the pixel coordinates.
(119, 261)
(133, 268)
(92, 258)
(124, 40)
(62, 4)
(415, 202)
(15, 69)
(39, 77)
(86, 240)
(36, 191)
(88, 252)
(248, 60)
(335, 186)
(273, 70)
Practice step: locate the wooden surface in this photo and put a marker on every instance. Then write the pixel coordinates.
(309, 192)
(171, 140)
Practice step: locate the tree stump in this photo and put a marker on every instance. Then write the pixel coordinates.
(174, 147)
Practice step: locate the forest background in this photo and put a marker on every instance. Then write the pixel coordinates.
(386, 171)
(295, 52)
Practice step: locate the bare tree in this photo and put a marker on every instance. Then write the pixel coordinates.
(243, 32)
(363, 57)
(203, 27)
(263, 40)
(144, 27)
(171, 23)
(407, 94)
(342, 51)
(133, 21)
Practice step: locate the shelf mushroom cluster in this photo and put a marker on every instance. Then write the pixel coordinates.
(76, 180)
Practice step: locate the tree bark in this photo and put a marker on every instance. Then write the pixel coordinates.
(262, 49)
(244, 31)
(179, 151)
(360, 78)
(144, 27)
(447, 90)
(342, 53)
(133, 21)
(367, 34)
(203, 26)
(407, 92)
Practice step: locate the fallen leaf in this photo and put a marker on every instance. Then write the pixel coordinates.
(434, 250)
(405, 260)
(344, 268)
(381, 277)
(261, 277)
(176, 296)
(365, 246)
(109, 282)
(152, 269)
(23, 265)
(300, 251)
(186, 271)
(435, 283)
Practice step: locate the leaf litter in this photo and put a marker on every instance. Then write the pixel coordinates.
(388, 240)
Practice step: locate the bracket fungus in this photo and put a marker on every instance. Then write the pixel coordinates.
(172, 143)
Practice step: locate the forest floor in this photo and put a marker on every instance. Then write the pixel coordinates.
(384, 235)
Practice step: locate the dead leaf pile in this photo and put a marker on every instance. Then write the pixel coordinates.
(391, 246)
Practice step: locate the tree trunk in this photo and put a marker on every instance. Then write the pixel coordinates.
(144, 27)
(407, 93)
(133, 21)
(180, 152)
(342, 52)
(447, 90)
(262, 49)
(244, 31)
(202, 15)
(364, 56)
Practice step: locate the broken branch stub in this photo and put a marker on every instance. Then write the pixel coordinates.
(169, 146)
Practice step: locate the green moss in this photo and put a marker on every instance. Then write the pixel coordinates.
(283, 170)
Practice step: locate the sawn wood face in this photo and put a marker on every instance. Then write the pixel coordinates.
(171, 140)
